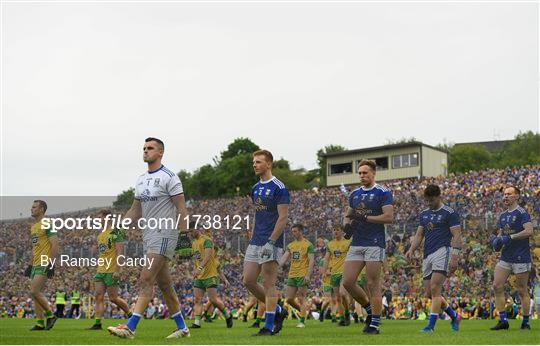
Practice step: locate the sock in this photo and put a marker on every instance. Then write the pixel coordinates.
(48, 314)
(41, 323)
(257, 319)
(225, 313)
(278, 309)
(432, 320)
(502, 316)
(197, 320)
(269, 320)
(525, 320)
(375, 321)
(450, 312)
(245, 317)
(129, 314)
(133, 321)
(347, 315)
(334, 317)
(302, 319)
(98, 321)
(179, 320)
(367, 307)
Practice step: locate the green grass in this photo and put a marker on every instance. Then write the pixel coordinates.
(15, 331)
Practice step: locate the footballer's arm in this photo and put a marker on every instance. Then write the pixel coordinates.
(456, 245)
(311, 259)
(284, 259)
(526, 233)
(134, 213)
(179, 202)
(386, 217)
(416, 241)
(119, 251)
(283, 213)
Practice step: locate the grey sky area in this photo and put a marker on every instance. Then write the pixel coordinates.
(84, 84)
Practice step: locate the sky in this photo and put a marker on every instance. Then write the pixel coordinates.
(84, 83)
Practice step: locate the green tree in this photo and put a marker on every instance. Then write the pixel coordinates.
(125, 199)
(239, 146)
(321, 160)
(463, 158)
(524, 150)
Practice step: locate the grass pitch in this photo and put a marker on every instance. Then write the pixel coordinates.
(15, 331)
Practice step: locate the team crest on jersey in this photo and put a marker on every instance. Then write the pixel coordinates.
(268, 192)
(35, 239)
(197, 255)
(296, 255)
(371, 196)
(337, 253)
(156, 182)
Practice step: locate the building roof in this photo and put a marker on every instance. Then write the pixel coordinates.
(491, 146)
(383, 147)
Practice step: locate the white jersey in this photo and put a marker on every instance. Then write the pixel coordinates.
(154, 190)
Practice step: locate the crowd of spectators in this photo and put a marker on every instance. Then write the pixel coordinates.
(477, 196)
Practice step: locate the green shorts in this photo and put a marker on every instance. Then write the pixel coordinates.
(203, 284)
(335, 280)
(38, 270)
(107, 279)
(296, 282)
(327, 288)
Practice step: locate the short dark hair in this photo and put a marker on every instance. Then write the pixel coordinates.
(267, 155)
(370, 163)
(157, 140)
(518, 191)
(299, 226)
(432, 190)
(42, 204)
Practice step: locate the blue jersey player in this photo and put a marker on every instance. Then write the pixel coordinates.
(370, 208)
(515, 229)
(271, 200)
(439, 227)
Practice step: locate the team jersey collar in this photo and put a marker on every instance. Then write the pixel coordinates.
(511, 210)
(266, 181)
(436, 210)
(368, 189)
(152, 172)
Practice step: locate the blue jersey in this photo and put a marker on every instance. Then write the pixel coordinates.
(267, 195)
(511, 222)
(370, 202)
(437, 224)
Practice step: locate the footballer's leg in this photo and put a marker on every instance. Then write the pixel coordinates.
(500, 276)
(351, 270)
(251, 273)
(46, 318)
(302, 301)
(272, 321)
(164, 283)
(198, 294)
(247, 307)
(345, 303)
(100, 304)
(112, 291)
(522, 280)
(218, 303)
(290, 297)
(435, 289)
(373, 275)
(146, 282)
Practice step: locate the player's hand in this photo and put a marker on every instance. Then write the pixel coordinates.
(358, 217)
(269, 250)
(453, 264)
(496, 243)
(50, 271)
(28, 271)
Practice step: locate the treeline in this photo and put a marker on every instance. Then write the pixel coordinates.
(231, 174)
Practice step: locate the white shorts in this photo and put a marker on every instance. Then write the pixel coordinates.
(515, 268)
(253, 254)
(438, 261)
(365, 253)
(160, 246)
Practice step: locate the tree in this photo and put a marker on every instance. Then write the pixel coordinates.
(468, 157)
(321, 160)
(125, 199)
(524, 150)
(239, 146)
